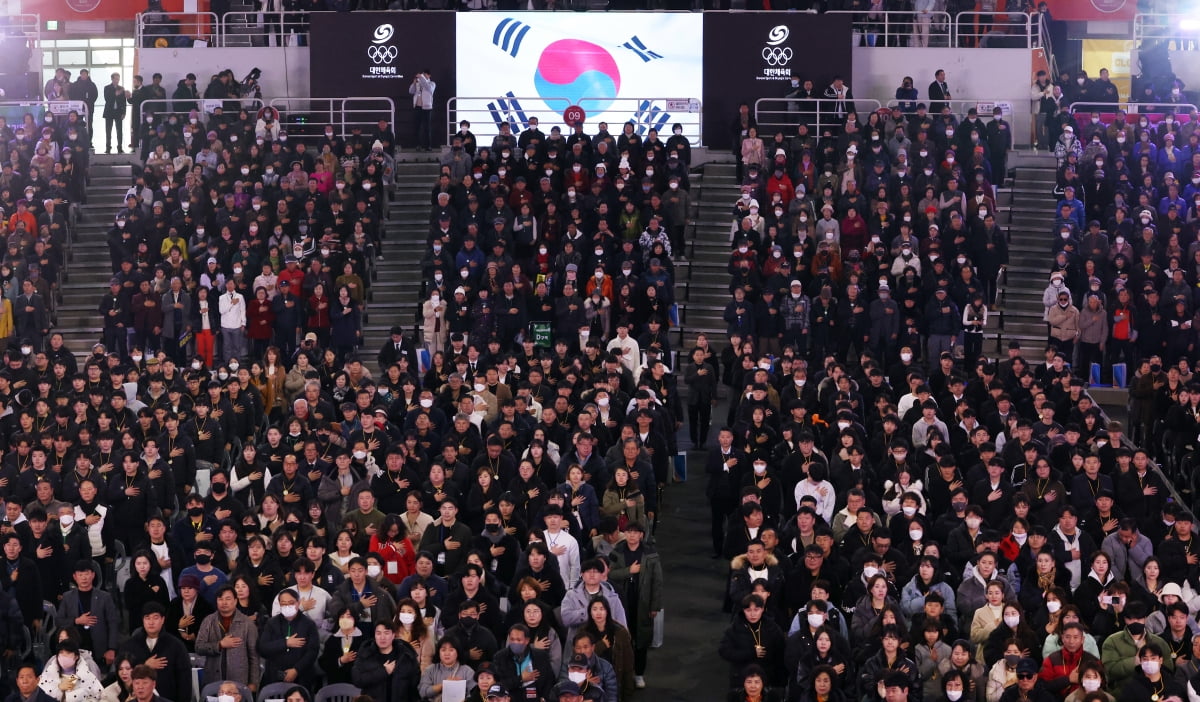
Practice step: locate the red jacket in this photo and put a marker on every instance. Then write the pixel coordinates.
(396, 566)
(260, 319)
(1058, 666)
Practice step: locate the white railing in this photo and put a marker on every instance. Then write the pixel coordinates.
(284, 28)
(304, 119)
(900, 28)
(1179, 31)
(15, 110)
(1133, 108)
(995, 30)
(486, 114)
(984, 106)
(163, 109)
(27, 25)
(170, 29)
(1043, 41)
(903, 28)
(773, 114)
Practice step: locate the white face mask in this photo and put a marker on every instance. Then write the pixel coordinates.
(760, 468)
(1053, 606)
(480, 387)
(870, 572)
(973, 522)
(407, 618)
(1090, 684)
(908, 510)
(816, 620)
(954, 695)
(576, 676)
(1020, 538)
(916, 534)
(360, 455)
(288, 611)
(374, 571)
(426, 403)
(66, 521)
(906, 357)
(224, 698)
(1151, 667)
(1011, 621)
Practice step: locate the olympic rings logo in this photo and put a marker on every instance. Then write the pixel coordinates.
(776, 56)
(382, 54)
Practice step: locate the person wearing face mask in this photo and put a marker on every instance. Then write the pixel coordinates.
(1153, 679)
(209, 576)
(342, 647)
(67, 678)
(1121, 651)
(289, 644)
(523, 668)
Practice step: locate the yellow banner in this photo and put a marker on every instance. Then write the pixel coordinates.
(1112, 54)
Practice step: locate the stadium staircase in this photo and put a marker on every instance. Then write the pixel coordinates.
(392, 294)
(1029, 207)
(703, 285)
(87, 268)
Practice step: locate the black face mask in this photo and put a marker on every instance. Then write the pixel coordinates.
(195, 511)
(203, 559)
(219, 488)
(1136, 628)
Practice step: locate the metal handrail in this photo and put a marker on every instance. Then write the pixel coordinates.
(487, 113)
(253, 25)
(297, 114)
(1133, 108)
(29, 24)
(972, 20)
(899, 28)
(772, 114)
(1170, 27)
(984, 106)
(59, 108)
(166, 26)
(1044, 42)
(175, 108)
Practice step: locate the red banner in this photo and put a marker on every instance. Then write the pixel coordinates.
(1093, 10)
(95, 9)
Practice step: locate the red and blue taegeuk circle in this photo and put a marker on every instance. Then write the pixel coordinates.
(580, 72)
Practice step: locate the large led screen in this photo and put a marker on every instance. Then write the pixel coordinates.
(616, 67)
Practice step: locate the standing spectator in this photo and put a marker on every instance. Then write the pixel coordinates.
(289, 644)
(422, 89)
(85, 91)
(939, 93)
(232, 307)
(346, 318)
(1063, 319)
(228, 639)
(33, 319)
(92, 611)
(114, 113)
(185, 98)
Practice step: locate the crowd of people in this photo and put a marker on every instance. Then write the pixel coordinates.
(231, 482)
(904, 517)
